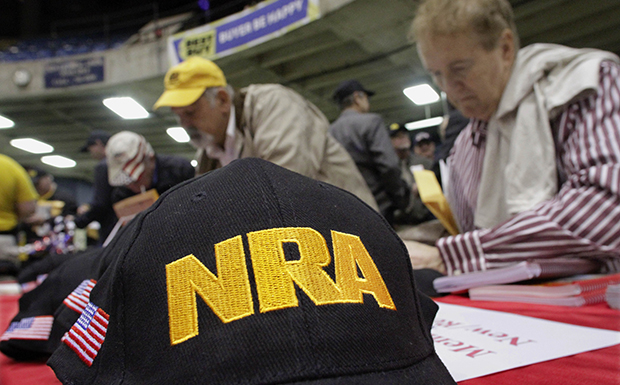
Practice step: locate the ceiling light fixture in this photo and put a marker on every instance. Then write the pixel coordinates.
(421, 94)
(58, 161)
(178, 134)
(126, 107)
(32, 145)
(424, 123)
(6, 122)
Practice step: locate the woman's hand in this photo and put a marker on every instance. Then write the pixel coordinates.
(424, 256)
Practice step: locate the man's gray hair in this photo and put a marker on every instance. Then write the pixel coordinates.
(211, 92)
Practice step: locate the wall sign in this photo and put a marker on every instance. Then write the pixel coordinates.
(73, 72)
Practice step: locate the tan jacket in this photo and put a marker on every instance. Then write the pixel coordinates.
(277, 124)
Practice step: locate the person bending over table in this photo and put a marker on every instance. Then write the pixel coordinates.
(267, 121)
(535, 174)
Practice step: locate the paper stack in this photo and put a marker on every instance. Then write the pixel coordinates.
(523, 271)
(612, 296)
(578, 290)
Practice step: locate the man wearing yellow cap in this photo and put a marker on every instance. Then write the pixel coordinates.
(267, 121)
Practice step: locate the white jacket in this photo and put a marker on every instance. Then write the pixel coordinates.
(519, 167)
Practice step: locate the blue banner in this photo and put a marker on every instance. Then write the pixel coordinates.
(262, 22)
(232, 34)
(73, 72)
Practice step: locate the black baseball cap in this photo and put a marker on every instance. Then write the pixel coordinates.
(348, 87)
(41, 332)
(253, 274)
(395, 128)
(35, 173)
(93, 137)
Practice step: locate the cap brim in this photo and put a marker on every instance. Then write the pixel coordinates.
(179, 97)
(430, 371)
(114, 178)
(84, 148)
(120, 177)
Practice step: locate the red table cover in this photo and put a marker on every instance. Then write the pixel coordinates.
(599, 367)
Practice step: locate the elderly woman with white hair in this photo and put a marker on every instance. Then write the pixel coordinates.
(535, 174)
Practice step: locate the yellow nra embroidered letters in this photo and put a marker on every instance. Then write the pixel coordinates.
(229, 295)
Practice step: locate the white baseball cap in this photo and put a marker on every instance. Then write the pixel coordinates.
(126, 153)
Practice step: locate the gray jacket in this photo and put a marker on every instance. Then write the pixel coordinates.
(366, 139)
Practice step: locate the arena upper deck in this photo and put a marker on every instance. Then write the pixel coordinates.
(363, 39)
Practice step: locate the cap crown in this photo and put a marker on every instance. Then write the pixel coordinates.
(195, 72)
(98, 135)
(422, 136)
(93, 137)
(125, 155)
(253, 274)
(35, 173)
(348, 87)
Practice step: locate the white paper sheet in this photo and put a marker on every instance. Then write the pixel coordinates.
(10, 288)
(475, 342)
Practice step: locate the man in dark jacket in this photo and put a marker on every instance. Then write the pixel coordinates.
(99, 207)
(365, 137)
(415, 212)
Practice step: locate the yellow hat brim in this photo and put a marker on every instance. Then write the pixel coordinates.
(179, 97)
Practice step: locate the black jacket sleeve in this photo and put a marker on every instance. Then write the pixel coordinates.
(101, 204)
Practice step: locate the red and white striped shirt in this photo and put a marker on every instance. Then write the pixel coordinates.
(582, 220)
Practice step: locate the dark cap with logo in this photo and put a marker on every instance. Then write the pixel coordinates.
(35, 173)
(348, 87)
(396, 128)
(253, 274)
(94, 137)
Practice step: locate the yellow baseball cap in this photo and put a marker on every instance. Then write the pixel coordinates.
(186, 82)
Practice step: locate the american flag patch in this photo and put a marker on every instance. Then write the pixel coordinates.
(86, 336)
(31, 328)
(79, 298)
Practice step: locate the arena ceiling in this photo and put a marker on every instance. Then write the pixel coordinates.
(365, 39)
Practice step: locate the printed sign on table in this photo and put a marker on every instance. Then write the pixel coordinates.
(475, 342)
(242, 30)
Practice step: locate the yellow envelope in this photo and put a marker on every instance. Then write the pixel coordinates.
(135, 204)
(433, 198)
